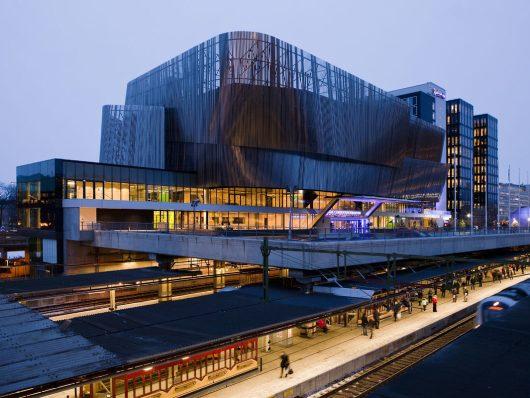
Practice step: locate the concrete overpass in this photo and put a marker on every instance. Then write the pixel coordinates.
(248, 250)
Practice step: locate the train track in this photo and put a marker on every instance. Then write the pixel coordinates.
(366, 381)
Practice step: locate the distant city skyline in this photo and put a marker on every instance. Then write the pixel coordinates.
(61, 61)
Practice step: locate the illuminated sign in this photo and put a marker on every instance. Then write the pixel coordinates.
(343, 213)
(438, 93)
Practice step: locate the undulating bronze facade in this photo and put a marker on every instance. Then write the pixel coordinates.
(246, 109)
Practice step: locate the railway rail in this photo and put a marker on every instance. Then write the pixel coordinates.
(367, 380)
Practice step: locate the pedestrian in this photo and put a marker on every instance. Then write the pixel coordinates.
(321, 323)
(480, 278)
(466, 293)
(284, 365)
(397, 308)
(435, 303)
(364, 323)
(510, 273)
(473, 281)
(371, 327)
(429, 295)
(424, 304)
(454, 295)
(444, 287)
(376, 318)
(503, 270)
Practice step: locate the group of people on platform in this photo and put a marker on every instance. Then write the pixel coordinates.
(454, 283)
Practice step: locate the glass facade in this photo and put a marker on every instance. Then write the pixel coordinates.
(459, 159)
(485, 170)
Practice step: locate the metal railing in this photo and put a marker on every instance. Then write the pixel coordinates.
(297, 234)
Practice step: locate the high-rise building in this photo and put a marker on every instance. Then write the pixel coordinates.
(512, 197)
(485, 170)
(460, 160)
(427, 102)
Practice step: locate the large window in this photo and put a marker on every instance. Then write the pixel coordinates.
(98, 190)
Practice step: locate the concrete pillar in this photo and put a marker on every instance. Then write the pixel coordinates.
(164, 290)
(219, 275)
(112, 299)
(264, 343)
(283, 338)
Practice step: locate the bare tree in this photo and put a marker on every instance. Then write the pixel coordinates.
(8, 203)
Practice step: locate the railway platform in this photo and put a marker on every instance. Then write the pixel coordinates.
(324, 352)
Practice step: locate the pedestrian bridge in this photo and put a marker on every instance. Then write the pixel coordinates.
(297, 254)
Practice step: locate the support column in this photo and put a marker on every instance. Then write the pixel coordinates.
(112, 299)
(265, 251)
(265, 343)
(218, 275)
(164, 290)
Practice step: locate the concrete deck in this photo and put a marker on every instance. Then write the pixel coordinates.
(311, 357)
(247, 250)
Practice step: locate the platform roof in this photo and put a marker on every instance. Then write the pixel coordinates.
(412, 277)
(34, 351)
(143, 333)
(488, 362)
(88, 280)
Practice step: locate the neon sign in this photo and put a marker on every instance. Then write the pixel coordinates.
(438, 93)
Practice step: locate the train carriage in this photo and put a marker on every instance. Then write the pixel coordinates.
(180, 377)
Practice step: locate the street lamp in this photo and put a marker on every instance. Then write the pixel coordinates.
(194, 204)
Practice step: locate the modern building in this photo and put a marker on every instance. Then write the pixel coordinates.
(427, 102)
(243, 131)
(513, 197)
(485, 171)
(460, 161)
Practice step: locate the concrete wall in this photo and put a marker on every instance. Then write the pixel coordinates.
(333, 375)
(247, 250)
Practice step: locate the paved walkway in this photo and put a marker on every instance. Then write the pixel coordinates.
(310, 357)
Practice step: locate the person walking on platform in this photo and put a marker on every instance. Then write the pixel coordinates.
(364, 323)
(435, 303)
(480, 278)
(424, 304)
(510, 273)
(454, 295)
(466, 294)
(443, 289)
(284, 365)
(473, 281)
(376, 318)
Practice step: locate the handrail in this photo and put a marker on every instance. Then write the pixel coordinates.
(310, 234)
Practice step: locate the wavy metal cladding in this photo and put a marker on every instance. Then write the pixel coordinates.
(246, 109)
(133, 135)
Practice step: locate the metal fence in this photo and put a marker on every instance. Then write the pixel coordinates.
(297, 234)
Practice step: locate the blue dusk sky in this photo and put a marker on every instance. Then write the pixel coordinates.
(61, 61)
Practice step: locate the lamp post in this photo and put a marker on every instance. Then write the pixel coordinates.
(194, 204)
